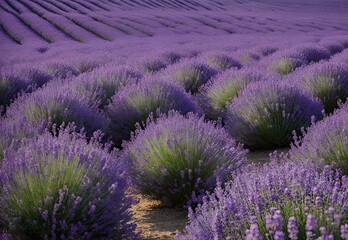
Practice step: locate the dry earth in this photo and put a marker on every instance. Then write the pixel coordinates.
(159, 222)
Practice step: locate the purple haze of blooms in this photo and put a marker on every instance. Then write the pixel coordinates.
(292, 187)
(59, 187)
(134, 104)
(327, 140)
(191, 74)
(176, 157)
(265, 114)
(327, 81)
(217, 94)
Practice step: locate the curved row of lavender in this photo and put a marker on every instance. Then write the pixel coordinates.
(172, 156)
(90, 117)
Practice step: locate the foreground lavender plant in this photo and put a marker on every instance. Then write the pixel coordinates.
(273, 201)
(60, 187)
(135, 103)
(265, 114)
(327, 140)
(177, 157)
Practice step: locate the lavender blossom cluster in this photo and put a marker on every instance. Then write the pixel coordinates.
(277, 200)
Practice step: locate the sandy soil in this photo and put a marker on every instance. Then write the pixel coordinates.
(158, 222)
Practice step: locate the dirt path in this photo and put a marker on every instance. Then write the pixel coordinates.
(158, 222)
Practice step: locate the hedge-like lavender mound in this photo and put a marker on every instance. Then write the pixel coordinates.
(60, 187)
(10, 85)
(190, 74)
(177, 157)
(222, 61)
(61, 70)
(287, 61)
(134, 103)
(328, 82)
(265, 114)
(308, 203)
(286, 65)
(55, 104)
(102, 83)
(219, 93)
(31, 114)
(327, 140)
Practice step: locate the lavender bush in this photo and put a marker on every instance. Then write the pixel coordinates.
(326, 140)
(286, 61)
(101, 84)
(135, 103)
(190, 74)
(265, 114)
(216, 95)
(31, 114)
(279, 200)
(221, 61)
(286, 65)
(60, 187)
(177, 157)
(10, 85)
(61, 70)
(328, 82)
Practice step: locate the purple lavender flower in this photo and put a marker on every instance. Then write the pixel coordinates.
(293, 228)
(177, 157)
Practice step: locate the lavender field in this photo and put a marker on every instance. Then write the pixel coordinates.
(174, 119)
